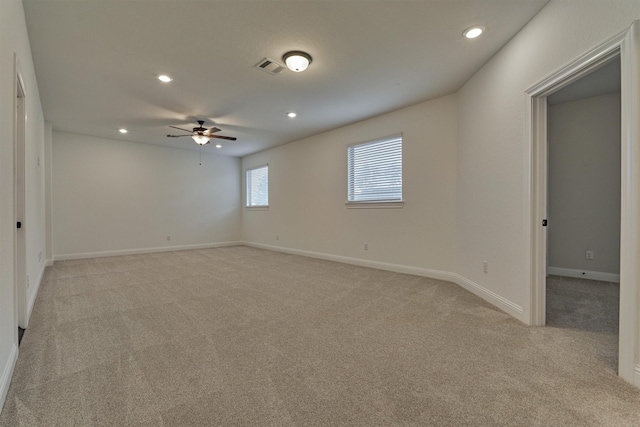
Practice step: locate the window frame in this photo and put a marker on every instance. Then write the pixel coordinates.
(247, 174)
(377, 204)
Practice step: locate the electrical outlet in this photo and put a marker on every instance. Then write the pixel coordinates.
(366, 246)
(589, 255)
(28, 282)
(485, 266)
(277, 237)
(39, 256)
(168, 238)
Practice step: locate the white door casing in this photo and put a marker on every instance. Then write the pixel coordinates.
(20, 261)
(627, 46)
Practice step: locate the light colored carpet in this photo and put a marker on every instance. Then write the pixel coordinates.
(241, 336)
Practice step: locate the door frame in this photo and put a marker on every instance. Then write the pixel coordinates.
(627, 45)
(19, 195)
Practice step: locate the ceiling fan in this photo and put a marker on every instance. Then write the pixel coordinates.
(202, 135)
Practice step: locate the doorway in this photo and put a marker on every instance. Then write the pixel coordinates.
(583, 207)
(626, 46)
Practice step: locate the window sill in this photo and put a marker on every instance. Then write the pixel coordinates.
(257, 208)
(375, 205)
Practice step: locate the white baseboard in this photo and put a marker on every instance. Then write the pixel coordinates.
(7, 373)
(66, 257)
(484, 293)
(584, 274)
(397, 268)
(48, 263)
(491, 297)
(33, 294)
(636, 376)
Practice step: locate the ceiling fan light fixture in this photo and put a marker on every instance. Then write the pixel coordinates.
(297, 60)
(201, 139)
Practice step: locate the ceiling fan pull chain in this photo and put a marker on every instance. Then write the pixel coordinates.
(201, 155)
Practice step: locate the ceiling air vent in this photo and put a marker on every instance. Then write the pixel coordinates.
(270, 66)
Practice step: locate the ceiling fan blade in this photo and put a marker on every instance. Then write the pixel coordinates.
(175, 127)
(176, 136)
(230, 138)
(214, 130)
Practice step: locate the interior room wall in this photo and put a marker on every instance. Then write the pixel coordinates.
(308, 191)
(35, 214)
(115, 197)
(493, 202)
(584, 184)
(14, 40)
(48, 146)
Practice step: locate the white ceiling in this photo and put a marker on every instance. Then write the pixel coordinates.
(97, 62)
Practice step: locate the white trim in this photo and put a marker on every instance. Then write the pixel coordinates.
(502, 303)
(627, 44)
(579, 67)
(630, 207)
(397, 268)
(375, 205)
(246, 192)
(391, 137)
(84, 255)
(636, 376)
(34, 295)
(584, 274)
(535, 193)
(20, 264)
(484, 293)
(7, 373)
(48, 263)
(264, 165)
(535, 182)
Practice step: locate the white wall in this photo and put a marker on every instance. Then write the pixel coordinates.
(308, 185)
(14, 39)
(35, 215)
(584, 184)
(113, 197)
(493, 156)
(466, 202)
(48, 147)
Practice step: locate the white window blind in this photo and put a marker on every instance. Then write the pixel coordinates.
(375, 171)
(258, 186)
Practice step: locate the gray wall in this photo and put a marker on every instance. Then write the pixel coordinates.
(584, 184)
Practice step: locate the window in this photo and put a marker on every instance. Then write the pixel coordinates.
(258, 187)
(375, 171)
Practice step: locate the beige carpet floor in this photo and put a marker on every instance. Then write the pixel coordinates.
(240, 336)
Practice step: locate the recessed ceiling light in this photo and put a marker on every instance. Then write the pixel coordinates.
(218, 146)
(164, 78)
(291, 115)
(473, 32)
(123, 130)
